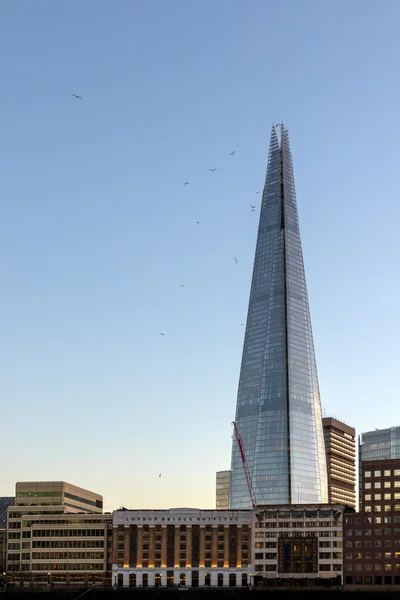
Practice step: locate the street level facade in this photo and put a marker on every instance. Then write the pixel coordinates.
(182, 546)
(278, 410)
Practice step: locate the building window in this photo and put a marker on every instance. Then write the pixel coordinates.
(386, 473)
(367, 473)
(377, 496)
(367, 497)
(368, 485)
(377, 473)
(377, 485)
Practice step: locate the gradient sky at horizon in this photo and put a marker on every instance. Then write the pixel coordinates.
(98, 232)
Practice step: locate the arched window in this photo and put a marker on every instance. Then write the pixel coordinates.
(132, 580)
(207, 579)
(182, 579)
(220, 580)
(195, 579)
(232, 579)
(157, 579)
(120, 580)
(244, 579)
(145, 580)
(170, 578)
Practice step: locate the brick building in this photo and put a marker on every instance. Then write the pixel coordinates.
(372, 536)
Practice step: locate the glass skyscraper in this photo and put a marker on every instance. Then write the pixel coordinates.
(278, 411)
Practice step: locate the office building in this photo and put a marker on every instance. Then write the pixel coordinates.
(372, 536)
(223, 486)
(340, 447)
(181, 546)
(5, 502)
(278, 411)
(297, 544)
(58, 493)
(66, 540)
(380, 444)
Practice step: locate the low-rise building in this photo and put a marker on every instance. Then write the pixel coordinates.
(297, 544)
(5, 502)
(65, 541)
(181, 546)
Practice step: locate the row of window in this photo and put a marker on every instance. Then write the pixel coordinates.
(378, 485)
(386, 496)
(386, 473)
(377, 544)
(375, 567)
(385, 531)
(369, 520)
(368, 555)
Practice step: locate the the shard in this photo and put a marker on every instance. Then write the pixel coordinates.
(278, 411)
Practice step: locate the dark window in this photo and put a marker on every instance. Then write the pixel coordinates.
(220, 580)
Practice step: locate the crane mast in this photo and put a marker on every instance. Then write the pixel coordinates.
(245, 465)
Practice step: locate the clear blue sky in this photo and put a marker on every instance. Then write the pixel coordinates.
(98, 232)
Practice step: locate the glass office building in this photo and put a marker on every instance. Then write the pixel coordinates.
(278, 411)
(380, 444)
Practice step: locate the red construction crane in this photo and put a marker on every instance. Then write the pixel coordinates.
(245, 465)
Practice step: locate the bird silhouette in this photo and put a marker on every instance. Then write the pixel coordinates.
(182, 284)
(77, 97)
(186, 183)
(251, 206)
(257, 192)
(232, 153)
(161, 334)
(198, 222)
(213, 169)
(160, 475)
(253, 210)
(235, 259)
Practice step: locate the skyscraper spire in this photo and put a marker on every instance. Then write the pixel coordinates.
(278, 410)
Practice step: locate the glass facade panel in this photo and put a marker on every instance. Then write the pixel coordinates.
(278, 412)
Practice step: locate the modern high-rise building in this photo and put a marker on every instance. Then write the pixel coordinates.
(278, 411)
(340, 446)
(380, 444)
(222, 490)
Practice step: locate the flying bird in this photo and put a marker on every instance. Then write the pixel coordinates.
(161, 334)
(213, 169)
(160, 475)
(251, 206)
(197, 222)
(257, 192)
(232, 153)
(186, 183)
(253, 210)
(235, 259)
(182, 284)
(77, 97)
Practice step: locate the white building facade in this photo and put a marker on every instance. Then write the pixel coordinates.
(297, 542)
